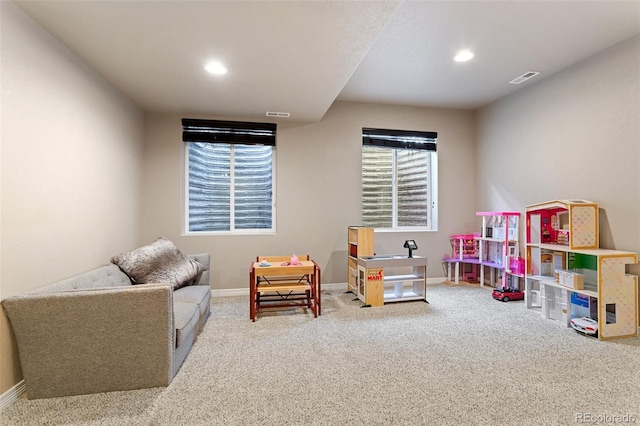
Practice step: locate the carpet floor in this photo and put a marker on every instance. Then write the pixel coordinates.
(462, 359)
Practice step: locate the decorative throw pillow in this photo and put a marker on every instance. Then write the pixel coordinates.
(159, 262)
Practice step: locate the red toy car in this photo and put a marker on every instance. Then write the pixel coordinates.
(506, 294)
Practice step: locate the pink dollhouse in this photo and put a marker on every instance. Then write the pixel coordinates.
(494, 250)
(464, 251)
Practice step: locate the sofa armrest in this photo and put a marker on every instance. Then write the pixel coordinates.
(98, 340)
(205, 260)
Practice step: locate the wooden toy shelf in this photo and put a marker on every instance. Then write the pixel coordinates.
(360, 242)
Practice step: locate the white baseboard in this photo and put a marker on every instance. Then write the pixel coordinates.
(329, 286)
(230, 292)
(12, 395)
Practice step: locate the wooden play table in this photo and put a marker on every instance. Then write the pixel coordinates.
(284, 285)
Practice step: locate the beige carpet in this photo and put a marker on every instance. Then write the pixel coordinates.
(463, 359)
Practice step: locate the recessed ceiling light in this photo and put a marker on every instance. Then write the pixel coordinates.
(215, 67)
(463, 56)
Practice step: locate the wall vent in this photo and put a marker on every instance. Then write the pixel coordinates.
(278, 114)
(524, 77)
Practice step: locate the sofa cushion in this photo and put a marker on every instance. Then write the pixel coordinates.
(186, 319)
(195, 294)
(159, 262)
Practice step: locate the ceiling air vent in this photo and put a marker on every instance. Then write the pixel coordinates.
(278, 114)
(524, 77)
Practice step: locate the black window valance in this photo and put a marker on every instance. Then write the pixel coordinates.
(406, 139)
(232, 132)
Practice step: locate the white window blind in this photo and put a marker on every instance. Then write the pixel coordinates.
(230, 177)
(399, 176)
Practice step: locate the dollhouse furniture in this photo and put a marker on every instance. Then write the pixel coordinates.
(494, 250)
(463, 262)
(568, 276)
(278, 283)
(499, 249)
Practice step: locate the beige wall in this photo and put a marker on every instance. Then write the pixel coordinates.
(575, 134)
(79, 185)
(71, 162)
(318, 189)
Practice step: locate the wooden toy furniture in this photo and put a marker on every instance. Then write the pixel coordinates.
(391, 278)
(360, 243)
(369, 281)
(568, 276)
(284, 285)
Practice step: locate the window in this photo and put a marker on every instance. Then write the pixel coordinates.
(399, 179)
(229, 176)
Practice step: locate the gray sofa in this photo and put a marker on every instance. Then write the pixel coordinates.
(101, 331)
